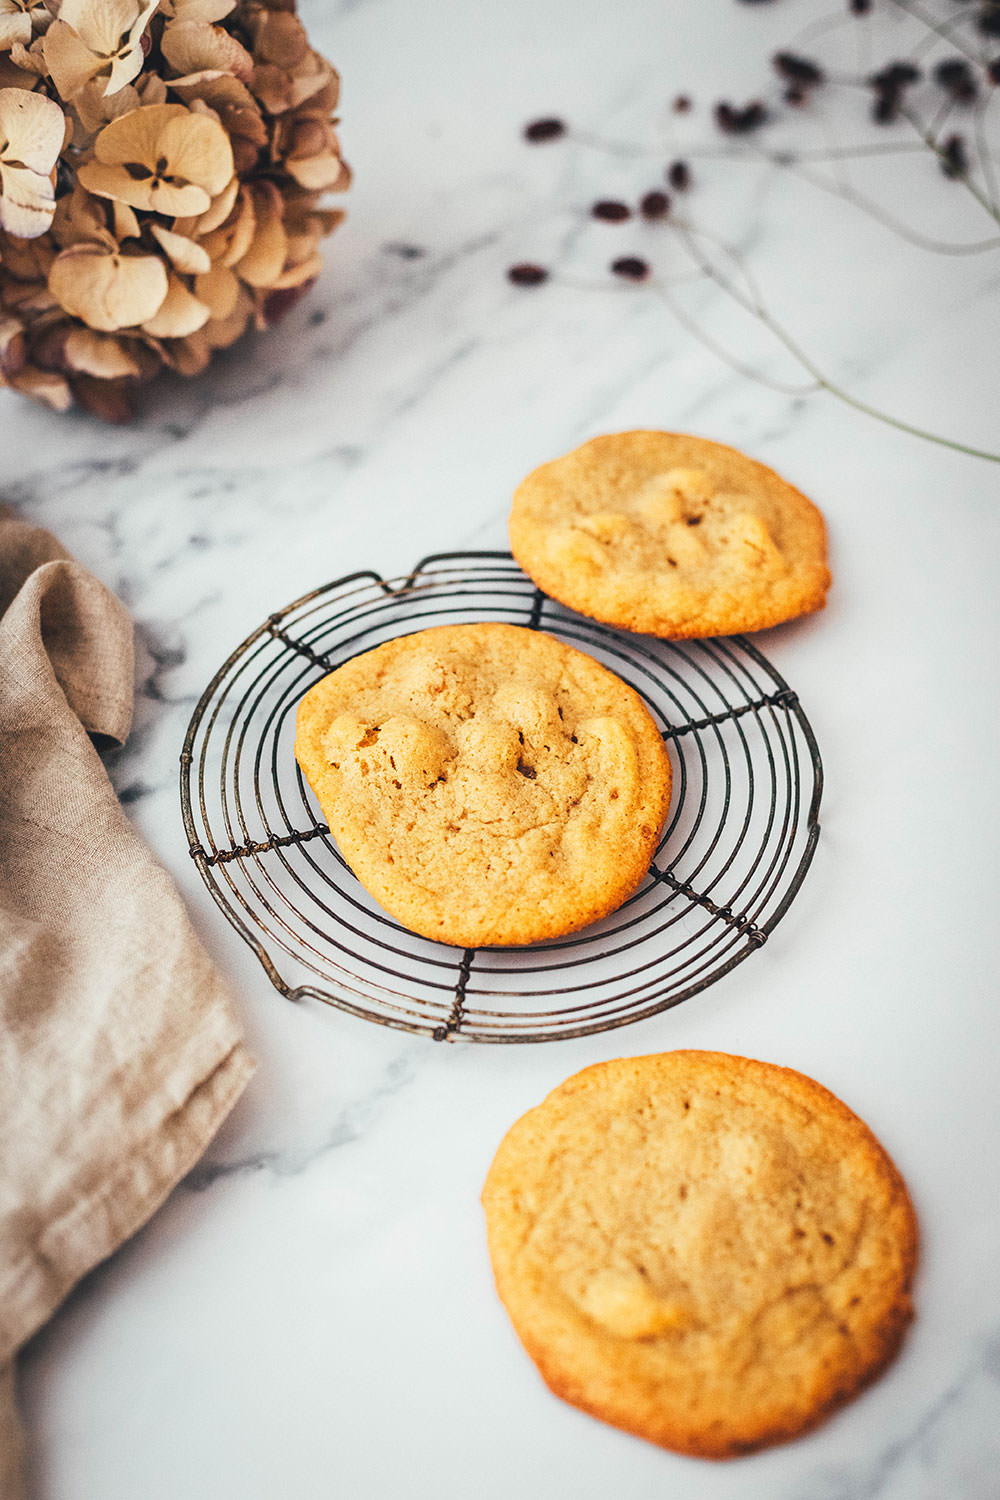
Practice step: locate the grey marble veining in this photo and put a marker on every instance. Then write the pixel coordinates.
(312, 1312)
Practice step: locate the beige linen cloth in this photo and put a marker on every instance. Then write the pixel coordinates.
(120, 1050)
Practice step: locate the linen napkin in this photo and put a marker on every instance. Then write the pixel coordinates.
(120, 1049)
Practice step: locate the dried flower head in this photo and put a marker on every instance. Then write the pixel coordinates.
(798, 70)
(740, 121)
(954, 75)
(549, 129)
(161, 157)
(630, 268)
(32, 129)
(162, 166)
(678, 175)
(93, 39)
(954, 157)
(611, 211)
(890, 84)
(654, 205)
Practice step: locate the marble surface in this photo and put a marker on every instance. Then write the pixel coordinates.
(311, 1313)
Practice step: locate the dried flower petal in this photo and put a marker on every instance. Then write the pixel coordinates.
(219, 289)
(220, 333)
(194, 47)
(32, 129)
(96, 109)
(12, 347)
(311, 152)
(231, 241)
(162, 157)
(217, 212)
(27, 260)
(188, 356)
(101, 354)
(185, 255)
(106, 289)
(265, 259)
(287, 71)
(197, 10)
(179, 314)
(15, 23)
(44, 386)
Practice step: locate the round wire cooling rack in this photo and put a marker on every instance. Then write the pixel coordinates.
(740, 835)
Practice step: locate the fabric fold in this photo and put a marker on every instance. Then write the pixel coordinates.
(120, 1049)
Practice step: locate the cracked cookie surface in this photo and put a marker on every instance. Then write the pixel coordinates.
(487, 784)
(671, 535)
(710, 1252)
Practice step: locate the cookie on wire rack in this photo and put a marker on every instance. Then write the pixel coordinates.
(709, 1252)
(487, 784)
(670, 535)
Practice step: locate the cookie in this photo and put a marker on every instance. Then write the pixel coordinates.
(487, 784)
(709, 1252)
(670, 535)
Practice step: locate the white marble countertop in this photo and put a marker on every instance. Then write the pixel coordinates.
(314, 1315)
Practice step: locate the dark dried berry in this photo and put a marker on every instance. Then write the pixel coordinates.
(993, 70)
(611, 211)
(859, 7)
(955, 159)
(955, 76)
(630, 267)
(679, 176)
(894, 77)
(526, 274)
(988, 20)
(682, 104)
(889, 85)
(544, 130)
(655, 205)
(800, 70)
(736, 121)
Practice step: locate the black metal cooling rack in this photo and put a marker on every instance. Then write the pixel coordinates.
(740, 836)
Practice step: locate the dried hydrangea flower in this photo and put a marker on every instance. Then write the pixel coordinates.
(163, 158)
(177, 201)
(32, 130)
(106, 288)
(20, 20)
(96, 39)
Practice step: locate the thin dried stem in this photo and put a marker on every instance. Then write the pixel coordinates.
(692, 326)
(943, 29)
(846, 190)
(982, 198)
(756, 308)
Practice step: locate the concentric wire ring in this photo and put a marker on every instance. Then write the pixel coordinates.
(740, 836)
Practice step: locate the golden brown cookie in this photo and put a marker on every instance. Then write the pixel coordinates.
(487, 784)
(670, 535)
(710, 1252)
